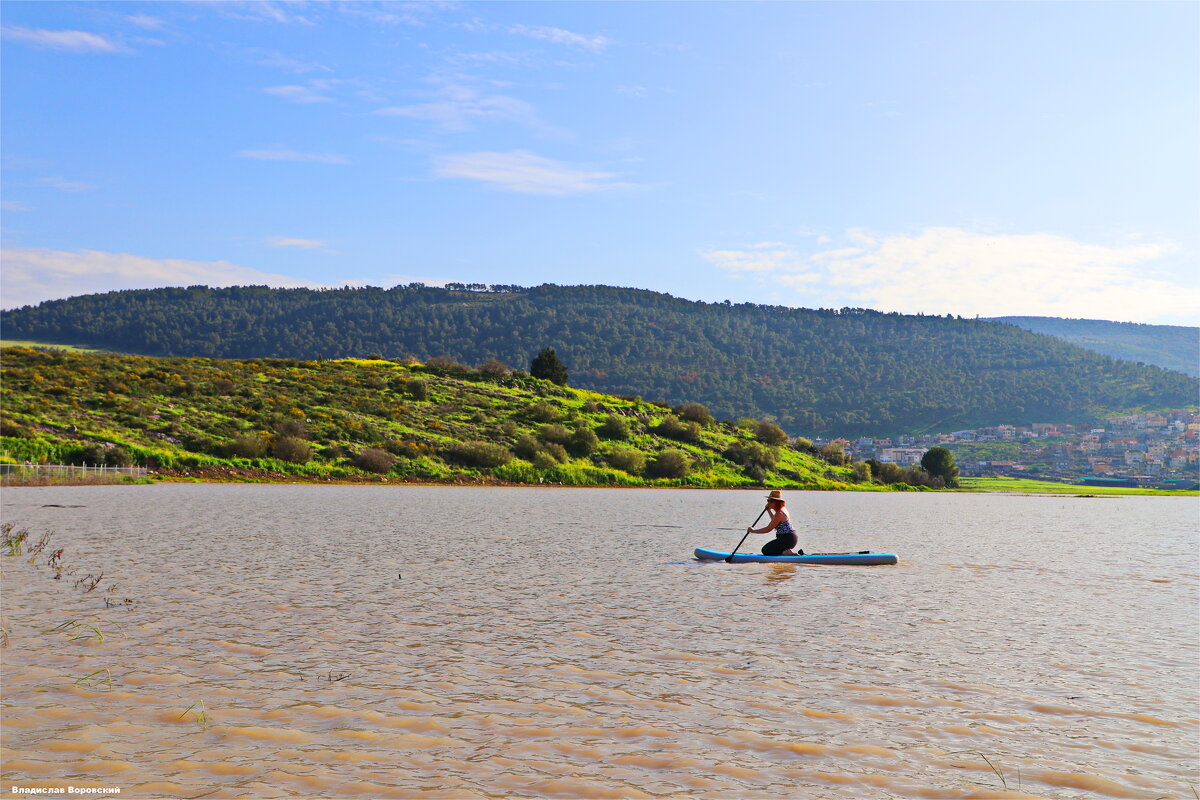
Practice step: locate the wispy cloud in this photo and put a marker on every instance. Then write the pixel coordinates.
(284, 154)
(146, 21)
(592, 42)
(770, 257)
(262, 11)
(949, 270)
(64, 185)
(297, 94)
(459, 107)
(69, 41)
(304, 244)
(521, 171)
(278, 60)
(15, 205)
(34, 274)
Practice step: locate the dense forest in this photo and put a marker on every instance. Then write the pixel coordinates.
(814, 372)
(1174, 347)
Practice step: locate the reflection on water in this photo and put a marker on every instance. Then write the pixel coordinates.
(562, 643)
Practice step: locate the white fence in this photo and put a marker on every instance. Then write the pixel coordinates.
(68, 471)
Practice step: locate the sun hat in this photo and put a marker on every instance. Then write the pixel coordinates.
(776, 495)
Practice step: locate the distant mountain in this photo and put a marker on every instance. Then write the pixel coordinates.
(814, 372)
(1170, 346)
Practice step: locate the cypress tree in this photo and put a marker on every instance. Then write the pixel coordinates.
(547, 366)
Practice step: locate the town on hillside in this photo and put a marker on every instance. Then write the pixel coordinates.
(1160, 450)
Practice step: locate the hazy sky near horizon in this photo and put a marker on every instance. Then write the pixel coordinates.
(986, 159)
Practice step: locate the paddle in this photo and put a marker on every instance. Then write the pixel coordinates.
(729, 558)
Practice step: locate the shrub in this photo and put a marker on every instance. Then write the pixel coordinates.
(755, 473)
(375, 459)
(203, 444)
(248, 445)
(862, 471)
(554, 433)
(543, 412)
(543, 460)
(695, 412)
(479, 454)
(834, 454)
(555, 451)
(418, 390)
(495, 368)
(669, 464)
(447, 364)
(750, 454)
(805, 446)
(583, 442)
(770, 434)
(677, 429)
(526, 447)
(96, 455)
(9, 427)
(296, 428)
(614, 427)
(627, 459)
(292, 448)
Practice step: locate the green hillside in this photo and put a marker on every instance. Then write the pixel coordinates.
(814, 372)
(357, 419)
(1174, 347)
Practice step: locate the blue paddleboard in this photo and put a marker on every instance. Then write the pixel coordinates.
(859, 559)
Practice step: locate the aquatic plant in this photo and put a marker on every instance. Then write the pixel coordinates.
(107, 679)
(992, 766)
(13, 539)
(89, 582)
(202, 717)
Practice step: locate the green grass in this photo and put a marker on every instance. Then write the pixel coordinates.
(226, 419)
(68, 347)
(1027, 486)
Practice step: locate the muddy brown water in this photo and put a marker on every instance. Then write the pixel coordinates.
(563, 643)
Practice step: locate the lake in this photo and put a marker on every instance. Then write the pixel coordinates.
(442, 642)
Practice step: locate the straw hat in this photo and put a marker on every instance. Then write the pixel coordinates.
(775, 495)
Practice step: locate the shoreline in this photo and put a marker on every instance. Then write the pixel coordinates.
(233, 476)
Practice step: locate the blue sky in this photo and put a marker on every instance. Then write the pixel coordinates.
(952, 157)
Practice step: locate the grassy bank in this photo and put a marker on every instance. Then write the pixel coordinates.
(1027, 486)
(376, 420)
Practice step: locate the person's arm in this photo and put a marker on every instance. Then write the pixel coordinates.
(770, 526)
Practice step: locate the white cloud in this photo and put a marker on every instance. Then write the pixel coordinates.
(33, 274)
(16, 205)
(949, 270)
(458, 107)
(146, 21)
(284, 241)
(521, 171)
(593, 42)
(64, 185)
(297, 94)
(284, 154)
(261, 11)
(757, 259)
(69, 41)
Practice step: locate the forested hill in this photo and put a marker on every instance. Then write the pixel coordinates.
(815, 372)
(1175, 347)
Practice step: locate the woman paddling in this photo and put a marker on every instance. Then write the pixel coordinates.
(784, 543)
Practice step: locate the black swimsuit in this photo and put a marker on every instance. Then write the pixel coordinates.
(785, 539)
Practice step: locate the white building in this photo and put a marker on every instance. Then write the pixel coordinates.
(902, 455)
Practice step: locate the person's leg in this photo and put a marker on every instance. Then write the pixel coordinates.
(780, 546)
